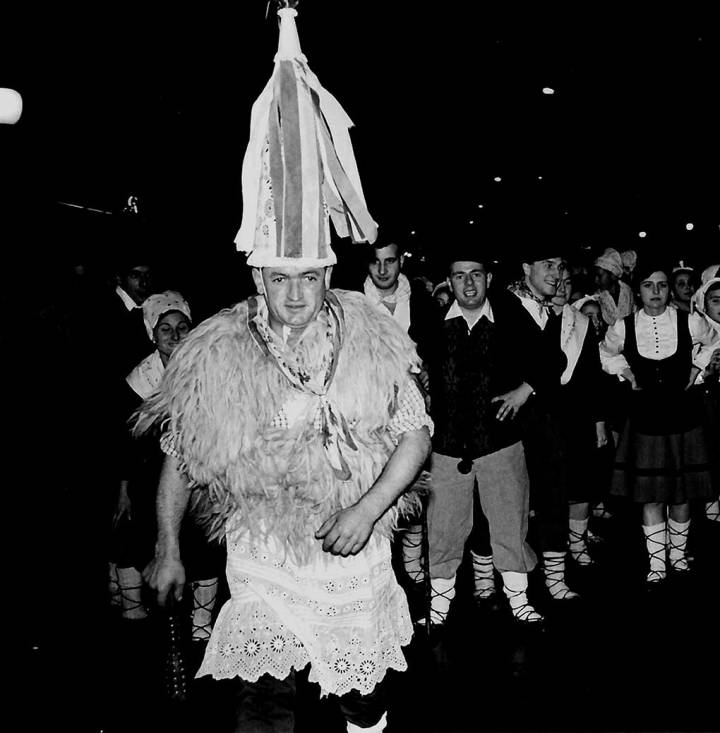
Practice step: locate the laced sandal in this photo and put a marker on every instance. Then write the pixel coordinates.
(554, 569)
(678, 557)
(657, 550)
(521, 609)
(412, 547)
(579, 550)
(203, 608)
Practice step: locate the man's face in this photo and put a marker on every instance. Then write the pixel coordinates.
(543, 276)
(604, 279)
(683, 287)
(137, 283)
(384, 270)
(712, 303)
(294, 295)
(564, 289)
(469, 283)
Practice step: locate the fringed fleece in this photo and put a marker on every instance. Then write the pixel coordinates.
(219, 396)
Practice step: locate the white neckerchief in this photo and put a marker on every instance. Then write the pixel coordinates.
(455, 311)
(400, 297)
(572, 334)
(145, 377)
(611, 311)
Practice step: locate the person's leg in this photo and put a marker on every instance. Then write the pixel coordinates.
(130, 583)
(578, 528)
(449, 519)
(655, 530)
(368, 712)
(266, 706)
(503, 488)
(204, 595)
(678, 528)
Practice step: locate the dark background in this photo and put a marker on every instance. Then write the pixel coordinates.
(444, 97)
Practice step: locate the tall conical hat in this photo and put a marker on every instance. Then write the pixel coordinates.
(299, 169)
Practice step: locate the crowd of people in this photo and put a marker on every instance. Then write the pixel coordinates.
(546, 398)
(313, 456)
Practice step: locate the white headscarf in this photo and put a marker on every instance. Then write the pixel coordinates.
(155, 305)
(611, 261)
(699, 300)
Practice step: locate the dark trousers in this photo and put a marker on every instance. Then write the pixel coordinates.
(270, 705)
(545, 456)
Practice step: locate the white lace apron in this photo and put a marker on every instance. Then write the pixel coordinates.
(348, 617)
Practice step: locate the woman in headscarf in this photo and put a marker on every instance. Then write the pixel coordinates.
(661, 460)
(167, 321)
(614, 295)
(707, 304)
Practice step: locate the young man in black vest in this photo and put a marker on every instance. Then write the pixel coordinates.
(477, 386)
(540, 328)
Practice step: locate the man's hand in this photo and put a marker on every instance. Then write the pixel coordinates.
(630, 377)
(346, 532)
(512, 401)
(165, 574)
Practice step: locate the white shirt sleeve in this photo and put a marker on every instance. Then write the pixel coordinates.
(611, 358)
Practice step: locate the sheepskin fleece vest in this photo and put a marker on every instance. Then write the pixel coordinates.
(220, 394)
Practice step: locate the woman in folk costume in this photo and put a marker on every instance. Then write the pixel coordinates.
(615, 296)
(582, 417)
(298, 410)
(662, 457)
(707, 304)
(167, 321)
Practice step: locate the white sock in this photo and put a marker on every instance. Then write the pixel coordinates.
(678, 536)
(483, 575)
(442, 591)
(515, 588)
(411, 540)
(554, 568)
(578, 543)
(712, 510)
(130, 582)
(656, 543)
(377, 728)
(204, 594)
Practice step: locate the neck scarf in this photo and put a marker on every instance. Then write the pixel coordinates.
(311, 379)
(145, 377)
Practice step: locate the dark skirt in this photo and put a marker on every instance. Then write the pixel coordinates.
(669, 469)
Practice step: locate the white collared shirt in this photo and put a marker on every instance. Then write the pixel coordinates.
(128, 302)
(471, 317)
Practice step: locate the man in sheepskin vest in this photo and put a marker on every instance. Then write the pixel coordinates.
(296, 417)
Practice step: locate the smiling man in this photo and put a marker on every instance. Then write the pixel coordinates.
(475, 359)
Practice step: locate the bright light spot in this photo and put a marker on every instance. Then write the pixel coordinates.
(548, 90)
(642, 235)
(497, 179)
(10, 106)
(689, 226)
(472, 221)
(480, 206)
(412, 232)
(539, 178)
